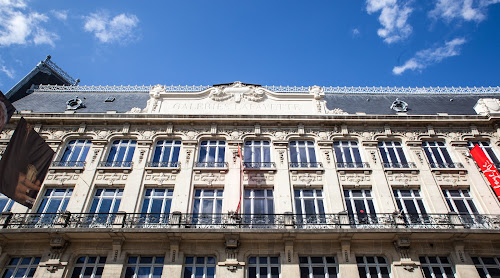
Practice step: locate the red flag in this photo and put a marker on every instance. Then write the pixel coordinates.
(488, 168)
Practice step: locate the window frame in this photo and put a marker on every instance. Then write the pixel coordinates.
(351, 147)
(487, 149)
(156, 217)
(430, 266)
(378, 265)
(128, 156)
(301, 149)
(251, 148)
(438, 155)
(70, 146)
(206, 264)
(324, 264)
(137, 265)
(95, 266)
(268, 265)
(483, 267)
(393, 154)
(8, 203)
(33, 264)
(421, 216)
(219, 153)
(174, 149)
(354, 213)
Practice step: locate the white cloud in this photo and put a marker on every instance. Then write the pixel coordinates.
(427, 57)
(61, 15)
(20, 27)
(108, 30)
(469, 10)
(393, 18)
(9, 72)
(355, 32)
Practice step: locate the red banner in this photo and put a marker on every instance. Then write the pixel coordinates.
(488, 168)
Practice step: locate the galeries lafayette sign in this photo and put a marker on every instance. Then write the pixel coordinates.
(488, 168)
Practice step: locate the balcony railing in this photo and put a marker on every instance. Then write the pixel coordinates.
(211, 164)
(258, 165)
(407, 165)
(447, 165)
(117, 164)
(243, 221)
(75, 164)
(166, 164)
(305, 165)
(353, 165)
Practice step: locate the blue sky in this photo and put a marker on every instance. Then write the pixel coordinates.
(272, 42)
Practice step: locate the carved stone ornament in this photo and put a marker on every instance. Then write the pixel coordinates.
(209, 178)
(111, 178)
(258, 179)
(356, 180)
(237, 90)
(62, 178)
(403, 180)
(485, 106)
(159, 179)
(307, 179)
(452, 180)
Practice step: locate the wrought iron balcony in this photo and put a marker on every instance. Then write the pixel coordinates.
(71, 164)
(166, 164)
(447, 165)
(117, 164)
(305, 165)
(211, 164)
(353, 165)
(259, 165)
(408, 165)
(387, 221)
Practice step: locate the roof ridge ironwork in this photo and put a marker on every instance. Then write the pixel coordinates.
(278, 89)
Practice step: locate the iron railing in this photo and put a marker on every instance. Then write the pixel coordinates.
(258, 165)
(447, 165)
(353, 165)
(167, 164)
(211, 164)
(400, 165)
(126, 164)
(342, 220)
(77, 164)
(305, 165)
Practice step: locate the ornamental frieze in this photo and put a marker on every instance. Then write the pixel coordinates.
(61, 178)
(258, 179)
(160, 179)
(111, 179)
(209, 178)
(355, 180)
(307, 179)
(452, 180)
(403, 180)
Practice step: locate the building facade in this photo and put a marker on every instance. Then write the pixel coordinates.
(243, 180)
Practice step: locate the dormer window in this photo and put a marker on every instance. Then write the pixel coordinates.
(74, 104)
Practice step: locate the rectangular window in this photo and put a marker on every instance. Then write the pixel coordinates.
(487, 149)
(156, 205)
(212, 154)
(207, 206)
(461, 202)
(436, 267)
(166, 153)
(347, 154)
(144, 267)
(258, 207)
(437, 154)
(89, 266)
(121, 153)
(5, 203)
(318, 267)
(195, 267)
(54, 201)
(75, 153)
(309, 205)
(360, 206)
(393, 155)
(303, 155)
(257, 154)
(264, 267)
(411, 205)
(105, 204)
(487, 267)
(21, 267)
(372, 267)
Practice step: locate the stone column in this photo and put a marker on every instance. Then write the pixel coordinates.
(331, 188)
(174, 260)
(433, 196)
(133, 185)
(464, 267)
(183, 182)
(347, 261)
(382, 192)
(82, 191)
(233, 190)
(283, 191)
(289, 260)
(115, 260)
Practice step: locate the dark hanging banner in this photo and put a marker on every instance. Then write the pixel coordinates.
(24, 164)
(6, 110)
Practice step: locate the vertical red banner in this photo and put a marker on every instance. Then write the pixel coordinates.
(488, 168)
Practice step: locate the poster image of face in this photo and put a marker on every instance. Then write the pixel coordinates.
(6, 110)
(24, 164)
